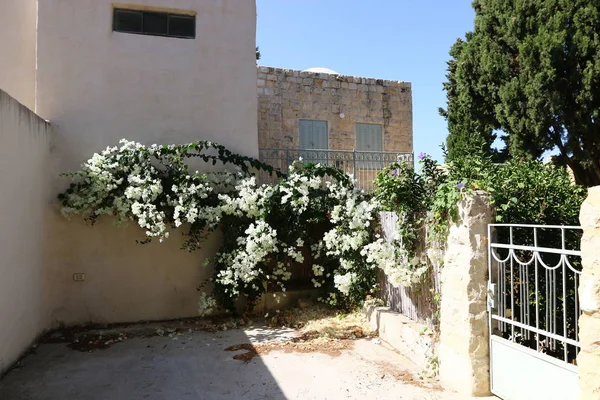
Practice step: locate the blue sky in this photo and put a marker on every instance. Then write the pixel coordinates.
(404, 40)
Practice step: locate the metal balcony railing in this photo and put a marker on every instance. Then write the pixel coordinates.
(362, 165)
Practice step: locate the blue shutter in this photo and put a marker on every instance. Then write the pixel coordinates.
(369, 138)
(306, 134)
(320, 135)
(313, 136)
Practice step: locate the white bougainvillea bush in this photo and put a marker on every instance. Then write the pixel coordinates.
(313, 216)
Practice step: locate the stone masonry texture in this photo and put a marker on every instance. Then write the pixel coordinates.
(285, 96)
(588, 360)
(464, 333)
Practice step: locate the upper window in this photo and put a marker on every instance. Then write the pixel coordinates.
(369, 143)
(313, 138)
(369, 137)
(313, 134)
(154, 23)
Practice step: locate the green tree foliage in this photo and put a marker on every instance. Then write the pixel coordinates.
(531, 70)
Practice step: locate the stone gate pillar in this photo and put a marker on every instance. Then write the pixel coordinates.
(464, 333)
(588, 360)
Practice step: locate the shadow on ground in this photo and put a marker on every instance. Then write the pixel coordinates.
(155, 363)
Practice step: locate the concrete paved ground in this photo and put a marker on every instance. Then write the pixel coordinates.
(193, 365)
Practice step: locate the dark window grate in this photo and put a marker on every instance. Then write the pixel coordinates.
(154, 23)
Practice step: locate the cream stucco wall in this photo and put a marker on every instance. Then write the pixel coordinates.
(97, 86)
(124, 281)
(24, 197)
(17, 49)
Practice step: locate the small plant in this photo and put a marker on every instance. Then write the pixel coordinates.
(431, 368)
(522, 192)
(419, 199)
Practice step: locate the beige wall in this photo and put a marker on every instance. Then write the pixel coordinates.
(98, 86)
(17, 49)
(588, 359)
(124, 281)
(24, 197)
(285, 96)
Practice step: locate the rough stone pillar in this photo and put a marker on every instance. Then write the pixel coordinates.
(464, 333)
(588, 360)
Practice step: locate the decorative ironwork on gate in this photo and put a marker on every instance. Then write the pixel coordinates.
(362, 165)
(534, 273)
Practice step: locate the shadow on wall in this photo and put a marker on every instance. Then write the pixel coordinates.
(24, 198)
(124, 281)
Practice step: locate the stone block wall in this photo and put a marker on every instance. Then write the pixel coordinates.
(588, 360)
(285, 96)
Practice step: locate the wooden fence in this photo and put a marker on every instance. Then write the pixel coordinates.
(419, 302)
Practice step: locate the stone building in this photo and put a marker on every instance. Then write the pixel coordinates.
(356, 124)
(320, 109)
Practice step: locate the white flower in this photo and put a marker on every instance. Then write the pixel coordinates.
(317, 270)
(435, 255)
(261, 240)
(394, 261)
(343, 283)
(206, 304)
(127, 182)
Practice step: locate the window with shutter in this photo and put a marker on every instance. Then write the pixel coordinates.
(313, 135)
(369, 143)
(154, 23)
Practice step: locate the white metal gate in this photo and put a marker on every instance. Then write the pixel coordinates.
(533, 306)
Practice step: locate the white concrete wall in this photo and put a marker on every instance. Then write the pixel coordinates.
(17, 49)
(124, 281)
(24, 198)
(98, 86)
